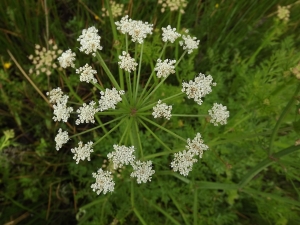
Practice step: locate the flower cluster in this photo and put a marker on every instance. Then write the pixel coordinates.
(138, 30)
(44, 59)
(219, 114)
(89, 41)
(61, 111)
(67, 59)
(173, 5)
(189, 43)
(136, 105)
(104, 182)
(116, 9)
(86, 113)
(164, 68)
(87, 74)
(162, 110)
(122, 156)
(126, 62)
(198, 88)
(109, 99)
(61, 138)
(169, 34)
(183, 161)
(283, 13)
(82, 152)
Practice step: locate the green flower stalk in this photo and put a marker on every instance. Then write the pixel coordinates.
(135, 106)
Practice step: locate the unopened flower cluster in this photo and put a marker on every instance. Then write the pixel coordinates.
(44, 60)
(116, 9)
(173, 5)
(283, 13)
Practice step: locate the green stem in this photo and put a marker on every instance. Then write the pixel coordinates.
(165, 129)
(139, 73)
(115, 127)
(97, 127)
(70, 87)
(265, 163)
(195, 205)
(153, 134)
(107, 71)
(133, 205)
(280, 120)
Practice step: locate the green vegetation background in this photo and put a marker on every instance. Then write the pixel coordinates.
(250, 175)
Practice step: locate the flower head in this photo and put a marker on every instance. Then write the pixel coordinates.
(142, 171)
(104, 182)
(162, 110)
(82, 152)
(55, 95)
(164, 68)
(61, 111)
(196, 146)
(138, 30)
(126, 62)
(198, 88)
(109, 99)
(90, 41)
(183, 162)
(61, 138)
(189, 43)
(86, 113)
(87, 74)
(169, 34)
(66, 59)
(219, 114)
(122, 155)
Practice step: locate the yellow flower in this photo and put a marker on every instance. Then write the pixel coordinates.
(7, 65)
(217, 5)
(96, 18)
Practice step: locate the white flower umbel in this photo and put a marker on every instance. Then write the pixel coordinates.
(86, 113)
(196, 146)
(198, 88)
(138, 30)
(162, 110)
(124, 25)
(87, 74)
(164, 68)
(66, 59)
(142, 171)
(104, 182)
(169, 34)
(61, 111)
(82, 152)
(183, 162)
(126, 62)
(61, 138)
(189, 43)
(55, 95)
(219, 114)
(90, 41)
(109, 99)
(121, 156)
